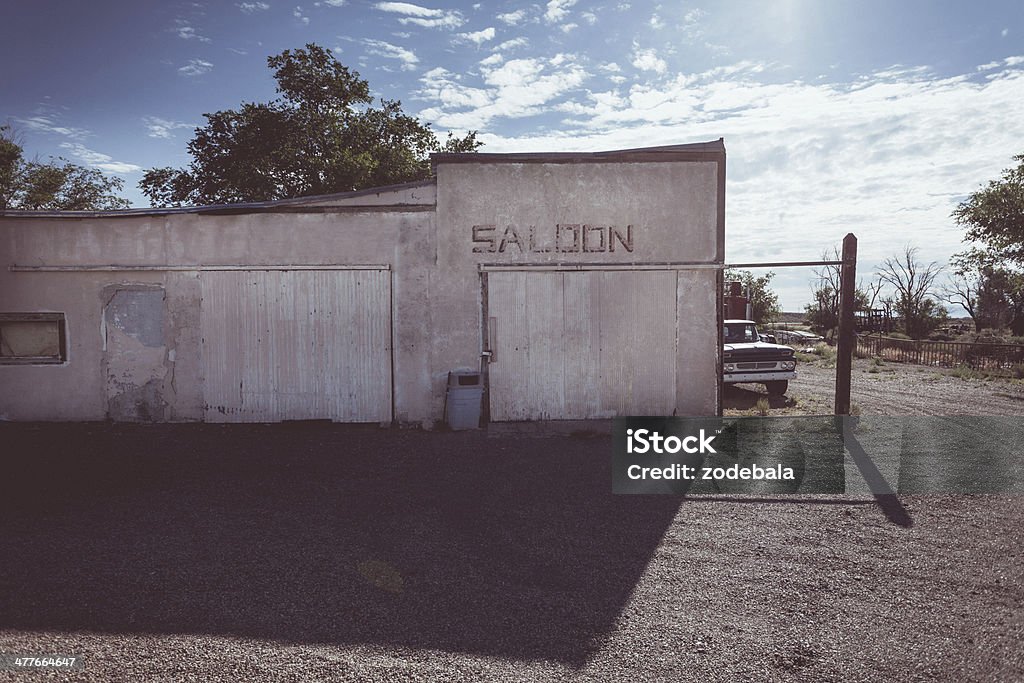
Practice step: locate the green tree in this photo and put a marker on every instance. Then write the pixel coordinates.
(991, 292)
(994, 215)
(58, 185)
(322, 135)
(764, 303)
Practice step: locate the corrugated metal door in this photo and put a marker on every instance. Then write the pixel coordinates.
(579, 345)
(297, 345)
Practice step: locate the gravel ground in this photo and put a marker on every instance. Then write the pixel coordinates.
(332, 552)
(887, 389)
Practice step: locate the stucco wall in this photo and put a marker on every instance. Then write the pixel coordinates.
(670, 209)
(82, 388)
(597, 213)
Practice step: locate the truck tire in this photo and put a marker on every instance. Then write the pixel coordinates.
(777, 388)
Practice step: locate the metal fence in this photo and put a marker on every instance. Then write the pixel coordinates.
(977, 355)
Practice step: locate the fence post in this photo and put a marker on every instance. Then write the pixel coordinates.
(847, 333)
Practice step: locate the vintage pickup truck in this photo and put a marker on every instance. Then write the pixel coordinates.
(748, 359)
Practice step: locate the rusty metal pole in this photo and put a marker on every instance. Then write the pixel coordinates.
(847, 333)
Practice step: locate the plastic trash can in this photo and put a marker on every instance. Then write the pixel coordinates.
(462, 403)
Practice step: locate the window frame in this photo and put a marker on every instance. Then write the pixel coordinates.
(62, 352)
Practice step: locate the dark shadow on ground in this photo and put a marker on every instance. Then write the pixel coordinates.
(321, 533)
(746, 396)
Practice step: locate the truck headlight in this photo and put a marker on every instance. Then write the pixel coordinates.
(788, 365)
(729, 367)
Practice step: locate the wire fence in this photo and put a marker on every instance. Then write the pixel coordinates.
(976, 355)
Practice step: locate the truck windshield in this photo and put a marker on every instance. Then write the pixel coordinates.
(738, 333)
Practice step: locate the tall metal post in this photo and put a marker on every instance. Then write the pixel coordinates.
(847, 333)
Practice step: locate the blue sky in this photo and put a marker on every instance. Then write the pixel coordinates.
(842, 116)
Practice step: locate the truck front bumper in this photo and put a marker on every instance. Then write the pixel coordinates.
(734, 377)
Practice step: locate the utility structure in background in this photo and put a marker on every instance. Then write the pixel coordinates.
(847, 302)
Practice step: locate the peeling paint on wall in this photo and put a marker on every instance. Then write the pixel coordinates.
(135, 357)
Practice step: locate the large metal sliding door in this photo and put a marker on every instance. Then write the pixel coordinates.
(296, 345)
(582, 344)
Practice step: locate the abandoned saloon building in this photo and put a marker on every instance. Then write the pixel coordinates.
(581, 285)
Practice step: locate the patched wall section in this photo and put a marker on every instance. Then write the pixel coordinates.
(135, 362)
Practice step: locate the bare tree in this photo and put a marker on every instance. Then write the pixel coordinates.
(914, 286)
(962, 289)
(823, 314)
(872, 293)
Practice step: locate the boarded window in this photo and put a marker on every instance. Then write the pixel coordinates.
(29, 338)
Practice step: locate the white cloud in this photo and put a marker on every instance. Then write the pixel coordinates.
(648, 60)
(613, 71)
(691, 27)
(1014, 61)
(589, 17)
(479, 37)
(250, 7)
(512, 44)
(569, 28)
(103, 162)
(436, 72)
(46, 124)
(558, 10)
(334, 3)
(297, 13)
(513, 18)
(382, 49)
(162, 128)
(195, 67)
(493, 60)
(422, 16)
(694, 15)
(441, 86)
(408, 8)
(186, 31)
(888, 154)
(1005, 32)
(517, 88)
(656, 21)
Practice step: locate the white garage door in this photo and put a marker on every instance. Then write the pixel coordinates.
(296, 345)
(579, 345)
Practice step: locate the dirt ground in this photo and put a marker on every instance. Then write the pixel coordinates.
(302, 552)
(884, 389)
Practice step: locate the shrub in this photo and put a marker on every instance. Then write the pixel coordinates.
(825, 351)
(762, 406)
(964, 372)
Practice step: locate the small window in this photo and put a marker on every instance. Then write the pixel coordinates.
(32, 338)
